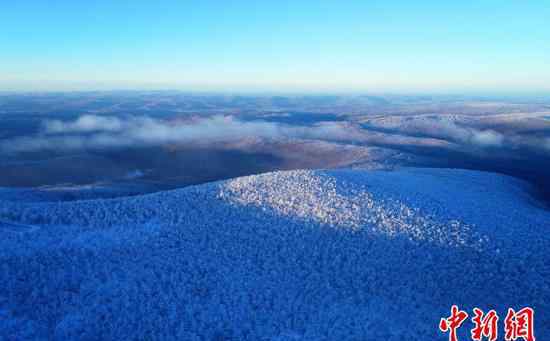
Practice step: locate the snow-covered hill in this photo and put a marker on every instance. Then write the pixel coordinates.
(298, 255)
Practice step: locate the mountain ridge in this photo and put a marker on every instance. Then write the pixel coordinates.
(294, 255)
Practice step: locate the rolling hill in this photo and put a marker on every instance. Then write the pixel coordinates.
(295, 255)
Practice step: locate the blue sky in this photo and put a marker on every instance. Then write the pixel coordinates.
(377, 46)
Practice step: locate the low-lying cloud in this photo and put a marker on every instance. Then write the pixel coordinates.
(86, 123)
(91, 131)
(450, 131)
(103, 132)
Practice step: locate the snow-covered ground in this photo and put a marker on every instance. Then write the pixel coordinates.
(298, 255)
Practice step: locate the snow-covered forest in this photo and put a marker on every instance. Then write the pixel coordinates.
(298, 255)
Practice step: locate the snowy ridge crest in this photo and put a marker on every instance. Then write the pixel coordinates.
(318, 197)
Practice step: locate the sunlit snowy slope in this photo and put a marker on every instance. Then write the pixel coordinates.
(298, 255)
